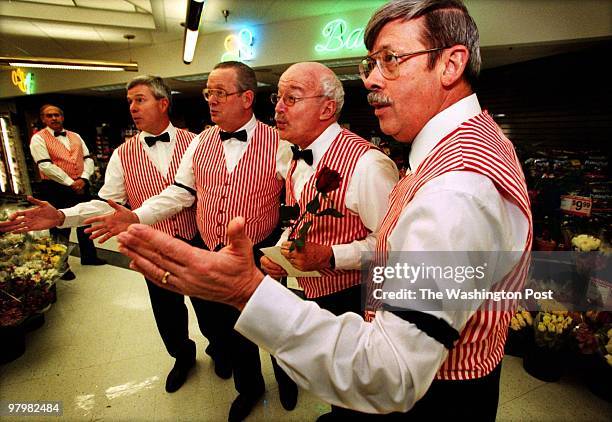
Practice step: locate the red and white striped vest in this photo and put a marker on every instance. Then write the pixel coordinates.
(342, 156)
(69, 161)
(143, 180)
(251, 190)
(477, 145)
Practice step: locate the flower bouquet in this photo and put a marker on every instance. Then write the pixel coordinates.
(552, 326)
(327, 180)
(520, 333)
(29, 266)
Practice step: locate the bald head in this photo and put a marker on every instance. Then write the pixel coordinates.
(318, 78)
(311, 97)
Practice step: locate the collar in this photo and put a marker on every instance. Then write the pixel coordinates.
(170, 129)
(249, 126)
(320, 145)
(52, 132)
(441, 125)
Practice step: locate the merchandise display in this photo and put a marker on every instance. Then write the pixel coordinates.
(30, 264)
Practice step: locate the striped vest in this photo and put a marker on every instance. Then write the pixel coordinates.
(143, 180)
(69, 161)
(342, 156)
(251, 190)
(477, 145)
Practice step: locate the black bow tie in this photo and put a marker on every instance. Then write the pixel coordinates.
(299, 154)
(241, 135)
(59, 133)
(151, 140)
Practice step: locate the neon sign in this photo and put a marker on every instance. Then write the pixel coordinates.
(338, 37)
(239, 47)
(23, 81)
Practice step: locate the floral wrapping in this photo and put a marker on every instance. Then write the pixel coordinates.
(29, 266)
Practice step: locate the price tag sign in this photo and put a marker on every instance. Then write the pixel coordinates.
(576, 205)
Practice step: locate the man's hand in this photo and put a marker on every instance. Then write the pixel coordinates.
(312, 257)
(78, 186)
(43, 216)
(228, 276)
(111, 224)
(272, 268)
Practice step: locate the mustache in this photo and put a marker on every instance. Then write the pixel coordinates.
(379, 98)
(279, 116)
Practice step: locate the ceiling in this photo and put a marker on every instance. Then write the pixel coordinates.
(89, 29)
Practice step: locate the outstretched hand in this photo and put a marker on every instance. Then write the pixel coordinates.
(228, 276)
(109, 225)
(42, 216)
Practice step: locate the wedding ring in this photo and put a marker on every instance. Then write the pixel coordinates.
(165, 277)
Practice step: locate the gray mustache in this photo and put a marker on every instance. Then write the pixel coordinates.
(379, 98)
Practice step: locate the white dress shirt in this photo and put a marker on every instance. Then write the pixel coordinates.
(388, 364)
(367, 194)
(160, 155)
(38, 149)
(174, 198)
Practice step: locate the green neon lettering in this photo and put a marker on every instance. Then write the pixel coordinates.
(333, 32)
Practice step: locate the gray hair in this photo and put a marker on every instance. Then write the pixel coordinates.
(155, 83)
(332, 88)
(447, 23)
(246, 79)
(42, 109)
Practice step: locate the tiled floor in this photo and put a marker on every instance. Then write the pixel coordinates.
(100, 354)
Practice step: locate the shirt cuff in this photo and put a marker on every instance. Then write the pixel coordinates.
(347, 257)
(71, 218)
(145, 216)
(269, 314)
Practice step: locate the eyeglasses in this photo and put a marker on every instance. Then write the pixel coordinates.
(52, 115)
(388, 62)
(219, 94)
(289, 99)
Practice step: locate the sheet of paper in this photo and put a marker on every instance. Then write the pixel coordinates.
(274, 253)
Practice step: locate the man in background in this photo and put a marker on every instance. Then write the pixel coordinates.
(65, 166)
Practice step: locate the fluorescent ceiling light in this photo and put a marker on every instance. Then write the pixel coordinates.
(192, 26)
(191, 39)
(68, 64)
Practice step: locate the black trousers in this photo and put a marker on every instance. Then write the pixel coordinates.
(347, 300)
(228, 345)
(469, 400)
(62, 196)
(171, 316)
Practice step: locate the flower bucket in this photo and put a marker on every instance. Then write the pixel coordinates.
(518, 342)
(543, 363)
(12, 339)
(598, 377)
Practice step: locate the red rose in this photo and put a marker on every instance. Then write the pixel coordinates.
(327, 180)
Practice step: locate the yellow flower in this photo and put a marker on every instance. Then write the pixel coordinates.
(520, 320)
(551, 328)
(609, 333)
(609, 347)
(527, 317)
(559, 330)
(541, 327)
(546, 319)
(609, 359)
